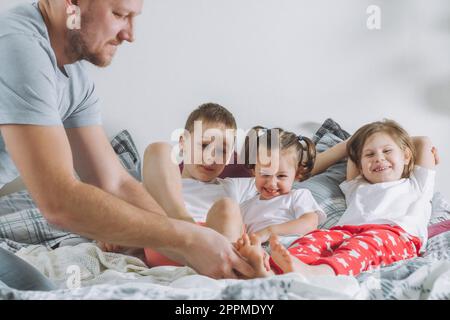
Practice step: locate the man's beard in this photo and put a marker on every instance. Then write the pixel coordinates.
(77, 49)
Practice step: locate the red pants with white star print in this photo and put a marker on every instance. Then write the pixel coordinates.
(350, 250)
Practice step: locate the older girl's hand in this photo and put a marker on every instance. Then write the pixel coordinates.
(436, 155)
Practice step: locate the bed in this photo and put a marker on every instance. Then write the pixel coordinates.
(82, 271)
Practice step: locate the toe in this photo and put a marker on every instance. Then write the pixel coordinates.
(255, 240)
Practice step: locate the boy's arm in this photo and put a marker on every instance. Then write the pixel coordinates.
(160, 174)
(329, 157)
(300, 226)
(426, 154)
(352, 170)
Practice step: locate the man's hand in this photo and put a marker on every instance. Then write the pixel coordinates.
(212, 255)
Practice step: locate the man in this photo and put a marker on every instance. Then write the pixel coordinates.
(50, 125)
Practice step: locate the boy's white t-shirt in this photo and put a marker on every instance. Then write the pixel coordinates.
(405, 202)
(259, 214)
(200, 196)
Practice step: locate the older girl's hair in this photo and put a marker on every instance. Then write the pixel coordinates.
(356, 143)
(304, 148)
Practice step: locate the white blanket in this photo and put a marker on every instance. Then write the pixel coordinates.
(85, 266)
(85, 272)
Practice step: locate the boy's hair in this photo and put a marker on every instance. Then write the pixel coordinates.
(212, 113)
(304, 148)
(356, 143)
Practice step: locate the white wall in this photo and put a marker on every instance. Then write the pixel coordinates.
(283, 63)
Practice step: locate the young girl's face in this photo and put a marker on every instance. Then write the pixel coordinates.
(276, 178)
(382, 159)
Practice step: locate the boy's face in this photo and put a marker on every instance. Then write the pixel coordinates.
(382, 159)
(207, 152)
(277, 177)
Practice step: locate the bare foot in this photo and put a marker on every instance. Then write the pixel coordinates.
(282, 257)
(250, 248)
(289, 263)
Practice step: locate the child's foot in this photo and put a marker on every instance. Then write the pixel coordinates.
(288, 263)
(282, 257)
(250, 248)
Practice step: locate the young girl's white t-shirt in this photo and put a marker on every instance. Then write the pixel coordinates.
(200, 196)
(405, 202)
(259, 214)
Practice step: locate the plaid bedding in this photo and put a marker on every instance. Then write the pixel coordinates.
(22, 224)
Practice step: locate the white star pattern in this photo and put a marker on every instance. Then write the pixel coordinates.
(392, 239)
(342, 262)
(379, 253)
(345, 236)
(363, 265)
(328, 244)
(363, 244)
(372, 232)
(313, 248)
(328, 237)
(405, 254)
(378, 240)
(354, 254)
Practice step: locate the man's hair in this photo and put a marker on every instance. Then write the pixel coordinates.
(356, 143)
(211, 113)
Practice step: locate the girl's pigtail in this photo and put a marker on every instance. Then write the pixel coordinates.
(307, 157)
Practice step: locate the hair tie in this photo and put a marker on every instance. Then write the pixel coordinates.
(300, 138)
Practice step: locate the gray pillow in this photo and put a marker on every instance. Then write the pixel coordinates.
(325, 186)
(128, 154)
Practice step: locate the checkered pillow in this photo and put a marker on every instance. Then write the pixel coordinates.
(325, 186)
(128, 154)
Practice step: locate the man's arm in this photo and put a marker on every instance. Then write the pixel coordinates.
(97, 164)
(44, 159)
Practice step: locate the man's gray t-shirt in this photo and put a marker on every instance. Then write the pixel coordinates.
(33, 89)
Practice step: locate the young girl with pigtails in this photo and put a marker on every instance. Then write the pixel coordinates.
(277, 159)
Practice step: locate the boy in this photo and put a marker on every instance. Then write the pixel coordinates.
(198, 194)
